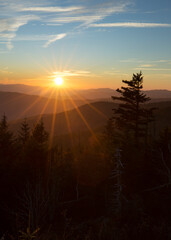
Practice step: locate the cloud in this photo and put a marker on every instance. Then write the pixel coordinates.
(14, 23)
(70, 73)
(131, 60)
(54, 39)
(6, 38)
(9, 45)
(53, 24)
(154, 69)
(131, 24)
(15, 14)
(90, 15)
(9, 27)
(135, 60)
(50, 9)
(40, 37)
(78, 19)
(146, 66)
(162, 61)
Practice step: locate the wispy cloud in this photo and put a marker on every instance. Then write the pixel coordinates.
(9, 27)
(70, 73)
(162, 61)
(135, 60)
(53, 24)
(7, 38)
(131, 60)
(84, 14)
(90, 15)
(146, 66)
(154, 69)
(54, 39)
(51, 9)
(14, 23)
(131, 24)
(88, 18)
(32, 37)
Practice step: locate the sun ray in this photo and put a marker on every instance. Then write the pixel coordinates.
(83, 119)
(45, 106)
(68, 122)
(53, 120)
(33, 104)
(89, 104)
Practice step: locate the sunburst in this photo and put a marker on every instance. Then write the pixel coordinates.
(58, 81)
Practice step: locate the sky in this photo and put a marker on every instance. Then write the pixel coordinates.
(89, 43)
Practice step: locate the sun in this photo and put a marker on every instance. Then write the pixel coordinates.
(58, 81)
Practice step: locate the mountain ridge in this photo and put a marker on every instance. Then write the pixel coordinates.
(92, 93)
(16, 105)
(90, 117)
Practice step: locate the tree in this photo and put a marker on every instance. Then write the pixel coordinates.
(131, 116)
(7, 159)
(37, 150)
(39, 133)
(6, 139)
(132, 119)
(24, 132)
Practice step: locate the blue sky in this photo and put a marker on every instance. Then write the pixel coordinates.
(89, 43)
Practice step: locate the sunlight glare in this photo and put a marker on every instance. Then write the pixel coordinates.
(58, 81)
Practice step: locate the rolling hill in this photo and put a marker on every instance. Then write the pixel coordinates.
(99, 93)
(18, 105)
(93, 117)
(84, 118)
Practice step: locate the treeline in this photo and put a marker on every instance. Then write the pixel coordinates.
(116, 186)
(43, 186)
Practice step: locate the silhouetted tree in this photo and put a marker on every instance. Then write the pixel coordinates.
(7, 162)
(6, 139)
(131, 120)
(37, 150)
(24, 132)
(131, 116)
(39, 133)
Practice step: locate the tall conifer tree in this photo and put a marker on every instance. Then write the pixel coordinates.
(131, 116)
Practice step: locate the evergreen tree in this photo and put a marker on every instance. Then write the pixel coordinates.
(7, 160)
(39, 133)
(24, 132)
(37, 151)
(131, 116)
(6, 139)
(132, 119)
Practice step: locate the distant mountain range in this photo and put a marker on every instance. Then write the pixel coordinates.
(91, 117)
(21, 88)
(19, 105)
(99, 93)
(84, 118)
